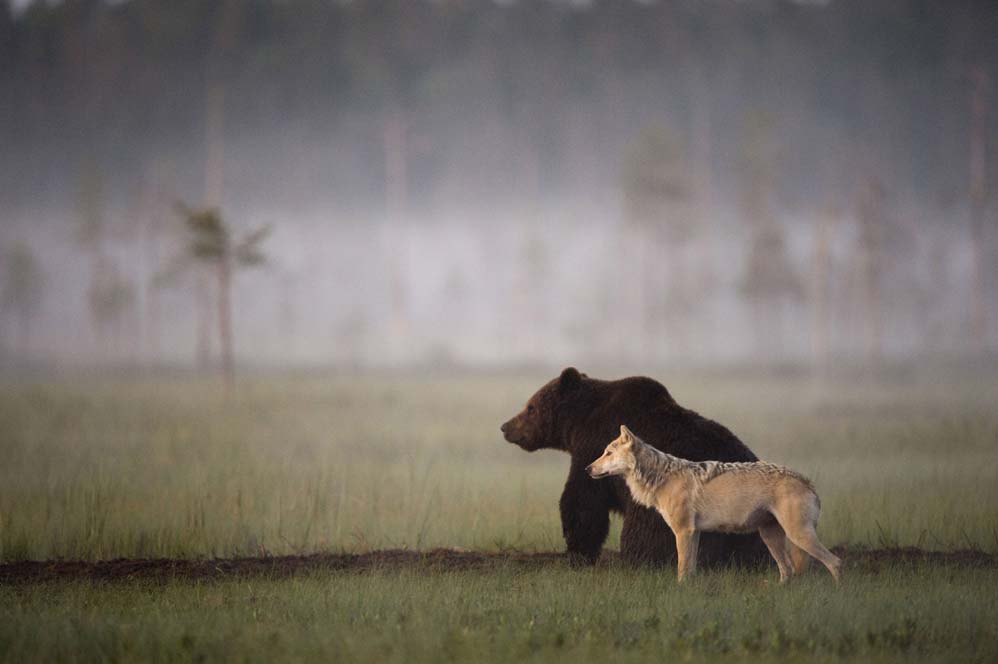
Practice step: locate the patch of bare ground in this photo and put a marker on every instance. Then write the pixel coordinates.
(162, 569)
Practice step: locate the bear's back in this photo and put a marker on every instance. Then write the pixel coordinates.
(646, 406)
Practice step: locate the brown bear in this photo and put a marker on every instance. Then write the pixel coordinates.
(581, 415)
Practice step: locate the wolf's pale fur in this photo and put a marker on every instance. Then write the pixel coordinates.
(729, 497)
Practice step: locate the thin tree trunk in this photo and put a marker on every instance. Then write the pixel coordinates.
(202, 294)
(214, 138)
(96, 329)
(871, 257)
(24, 336)
(869, 296)
(214, 174)
(702, 269)
(225, 322)
(395, 143)
(702, 133)
(148, 259)
(820, 278)
(978, 199)
(103, 273)
(214, 161)
(289, 317)
(645, 293)
(151, 318)
(872, 304)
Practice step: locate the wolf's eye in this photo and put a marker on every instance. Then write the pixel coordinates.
(530, 410)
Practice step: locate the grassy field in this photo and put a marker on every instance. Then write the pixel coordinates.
(296, 464)
(290, 465)
(910, 613)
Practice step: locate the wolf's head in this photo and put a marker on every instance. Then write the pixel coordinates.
(618, 457)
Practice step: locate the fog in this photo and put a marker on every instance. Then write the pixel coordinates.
(490, 184)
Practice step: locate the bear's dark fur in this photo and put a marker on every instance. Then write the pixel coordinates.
(581, 415)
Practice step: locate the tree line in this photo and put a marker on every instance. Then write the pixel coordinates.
(681, 111)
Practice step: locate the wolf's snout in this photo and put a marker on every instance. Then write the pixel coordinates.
(505, 427)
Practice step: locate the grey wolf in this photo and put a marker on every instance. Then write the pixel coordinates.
(709, 496)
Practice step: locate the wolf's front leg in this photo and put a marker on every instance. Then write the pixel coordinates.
(585, 516)
(687, 545)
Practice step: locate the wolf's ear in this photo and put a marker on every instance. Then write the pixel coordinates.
(570, 379)
(625, 434)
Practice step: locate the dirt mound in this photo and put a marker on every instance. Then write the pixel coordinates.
(162, 569)
(877, 558)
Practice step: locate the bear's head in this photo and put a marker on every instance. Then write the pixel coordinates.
(537, 426)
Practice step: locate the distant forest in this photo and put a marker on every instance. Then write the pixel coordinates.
(498, 181)
(487, 100)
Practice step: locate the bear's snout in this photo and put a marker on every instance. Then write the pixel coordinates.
(509, 432)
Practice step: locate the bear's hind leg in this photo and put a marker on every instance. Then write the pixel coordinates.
(724, 549)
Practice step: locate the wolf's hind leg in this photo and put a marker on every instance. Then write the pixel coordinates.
(798, 557)
(807, 539)
(776, 541)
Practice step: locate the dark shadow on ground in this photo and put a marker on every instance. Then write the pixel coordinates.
(163, 570)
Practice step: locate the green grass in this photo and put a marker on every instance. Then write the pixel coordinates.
(168, 468)
(910, 613)
(131, 468)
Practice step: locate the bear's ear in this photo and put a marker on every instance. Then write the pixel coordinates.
(570, 379)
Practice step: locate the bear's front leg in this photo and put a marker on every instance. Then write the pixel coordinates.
(585, 516)
(646, 538)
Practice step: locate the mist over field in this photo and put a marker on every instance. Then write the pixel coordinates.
(273, 273)
(497, 184)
